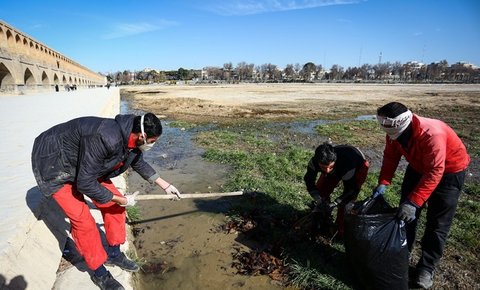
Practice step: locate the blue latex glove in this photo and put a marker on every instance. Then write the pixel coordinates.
(379, 190)
(406, 211)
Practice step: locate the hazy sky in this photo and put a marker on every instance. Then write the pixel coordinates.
(107, 36)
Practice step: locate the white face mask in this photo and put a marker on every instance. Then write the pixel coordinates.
(145, 146)
(394, 127)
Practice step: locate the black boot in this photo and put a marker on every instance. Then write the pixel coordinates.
(107, 282)
(123, 262)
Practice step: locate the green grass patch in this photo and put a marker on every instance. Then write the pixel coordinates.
(366, 133)
(277, 175)
(464, 234)
(134, 213)
(235, 140)
(307, 277)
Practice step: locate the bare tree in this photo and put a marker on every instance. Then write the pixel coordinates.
(227, 71)
(289, 72)
(244, 71)
(319, 72)
(336, 72)
(381, 70)
(269, 72)
(397, 71)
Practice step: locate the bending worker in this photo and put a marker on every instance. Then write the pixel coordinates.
(335, 163)
(437, 161)
(79, 158)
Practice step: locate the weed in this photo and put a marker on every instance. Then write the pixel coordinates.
(464, 235)
(132, 255)
(133, 213)
(306, 277)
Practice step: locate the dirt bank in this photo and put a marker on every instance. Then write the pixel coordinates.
(224, 102)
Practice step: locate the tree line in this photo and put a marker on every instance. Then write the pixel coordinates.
(410, 72)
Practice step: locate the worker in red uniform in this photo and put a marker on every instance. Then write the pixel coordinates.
(437, 161)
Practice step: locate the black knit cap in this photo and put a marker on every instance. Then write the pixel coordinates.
(392, 110)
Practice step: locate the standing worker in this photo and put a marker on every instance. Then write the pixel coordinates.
(335, 163)
(79, 158)
(437, 161)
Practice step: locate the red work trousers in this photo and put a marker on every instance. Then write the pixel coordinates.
(326, 186)
(83, 226)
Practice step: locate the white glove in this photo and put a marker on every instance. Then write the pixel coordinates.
(173, 190)
(131, 199)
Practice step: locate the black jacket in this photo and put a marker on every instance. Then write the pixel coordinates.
(84, 150)
(349, 159)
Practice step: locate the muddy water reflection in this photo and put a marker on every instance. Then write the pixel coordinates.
(179, 239)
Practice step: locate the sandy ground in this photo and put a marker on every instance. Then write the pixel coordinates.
(223, 102)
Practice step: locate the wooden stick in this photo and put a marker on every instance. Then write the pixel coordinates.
(186, 195)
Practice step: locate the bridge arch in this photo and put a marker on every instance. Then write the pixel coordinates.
(45, 80)
(28, 79)
(7, 82)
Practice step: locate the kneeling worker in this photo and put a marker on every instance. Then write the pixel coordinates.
(335, 163)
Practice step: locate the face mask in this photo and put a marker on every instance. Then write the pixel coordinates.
(145, 146)
(393, 133)
(394, 127)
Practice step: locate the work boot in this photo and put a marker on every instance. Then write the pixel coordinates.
(123, 262)
(107, 282)
(424, 279)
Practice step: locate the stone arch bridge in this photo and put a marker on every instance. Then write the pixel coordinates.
(27, 65)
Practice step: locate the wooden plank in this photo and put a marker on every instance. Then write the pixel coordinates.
(187, 195)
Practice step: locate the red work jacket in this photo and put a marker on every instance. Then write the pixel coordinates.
(433, 150)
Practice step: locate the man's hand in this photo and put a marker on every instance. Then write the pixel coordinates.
(335, 203)
(406, 211)
(130, 199)
(173, 190)
(315, 194)
(379, 190)
(322, 207)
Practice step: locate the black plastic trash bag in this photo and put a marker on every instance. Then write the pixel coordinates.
(376, 246)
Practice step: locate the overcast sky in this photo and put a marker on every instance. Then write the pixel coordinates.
(108, 36)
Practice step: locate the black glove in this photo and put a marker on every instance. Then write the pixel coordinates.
(406, 211)
(315, 194)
